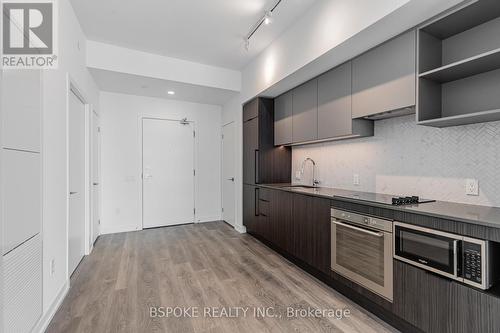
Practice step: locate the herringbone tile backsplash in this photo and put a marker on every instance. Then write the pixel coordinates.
(405, 159)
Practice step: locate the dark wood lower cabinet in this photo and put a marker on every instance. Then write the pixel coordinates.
(282, 219)
(421, 298)
(436, 304)
(311, 231)
(250, 212)
(295, 223)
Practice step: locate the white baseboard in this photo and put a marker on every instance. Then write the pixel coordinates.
(117, 229)
(44, 321)
(241, 229)
(203, 219)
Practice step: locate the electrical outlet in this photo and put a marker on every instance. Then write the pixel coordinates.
(297, 175)
(52, 267)
(471, 187)
(355, 179)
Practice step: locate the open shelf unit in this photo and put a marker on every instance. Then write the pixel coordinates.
(459, 67)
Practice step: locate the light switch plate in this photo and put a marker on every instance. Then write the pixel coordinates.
(471, 186)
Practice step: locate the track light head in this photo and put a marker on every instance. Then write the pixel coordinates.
(268, 18)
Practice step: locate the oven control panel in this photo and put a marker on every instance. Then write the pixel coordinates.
(472, 262)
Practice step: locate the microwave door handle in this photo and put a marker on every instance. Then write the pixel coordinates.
(373, 233)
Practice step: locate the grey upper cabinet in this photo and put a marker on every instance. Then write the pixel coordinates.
(283, 119)
(383, 79)
(305, 112)
(334, 103)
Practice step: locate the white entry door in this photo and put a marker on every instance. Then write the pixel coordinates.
(228, 171)
(76, 227)
(168, 172)
(95, 176)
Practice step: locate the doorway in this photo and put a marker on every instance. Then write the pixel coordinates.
(95, 157)
(77, 189)
(228, 173)
(168, 172)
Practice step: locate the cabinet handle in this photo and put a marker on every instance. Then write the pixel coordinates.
(257, 190)
(256, 161)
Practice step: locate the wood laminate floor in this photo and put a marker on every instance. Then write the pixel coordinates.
(200, 266)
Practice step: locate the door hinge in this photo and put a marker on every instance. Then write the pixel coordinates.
(99, 129)
(99, 221)
(222, 136)
(223, 209)
(194, 172)
(194, 211)
(194, 134)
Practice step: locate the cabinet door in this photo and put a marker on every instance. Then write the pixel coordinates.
(305, 112)
(473, 310)
(251, 151)
(281, 214)
(383, 79)
(334, 103)
(283, 119)
(423, 299)
(250, 211)
(251, 109)
(311, 231)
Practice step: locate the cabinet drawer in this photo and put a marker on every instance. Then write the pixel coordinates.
(265, 194)
(264, 208)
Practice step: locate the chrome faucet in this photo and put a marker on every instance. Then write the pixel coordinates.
(315, 182)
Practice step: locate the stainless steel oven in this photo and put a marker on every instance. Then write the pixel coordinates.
(461, 258)
(362, 250)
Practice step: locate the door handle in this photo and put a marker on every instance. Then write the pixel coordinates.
(256, 170)
(71, 193)
(256, 208)
(231, 179)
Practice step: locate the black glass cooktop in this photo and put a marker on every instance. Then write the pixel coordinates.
(387, 199)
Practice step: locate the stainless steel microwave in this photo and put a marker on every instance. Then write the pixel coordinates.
(461, 258)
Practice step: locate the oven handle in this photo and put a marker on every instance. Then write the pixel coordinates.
(373, 233)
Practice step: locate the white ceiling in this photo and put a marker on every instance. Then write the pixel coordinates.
(205, 31)
(124, 83)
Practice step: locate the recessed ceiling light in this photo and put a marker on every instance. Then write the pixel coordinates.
(268, 18)
(171, 92)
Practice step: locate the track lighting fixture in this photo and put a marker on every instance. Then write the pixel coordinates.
(266, 20)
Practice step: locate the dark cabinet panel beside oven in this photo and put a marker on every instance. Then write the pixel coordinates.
(262, 161)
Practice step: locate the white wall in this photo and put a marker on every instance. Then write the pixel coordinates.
(406, 159)
(121, 182)
(55, 186)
